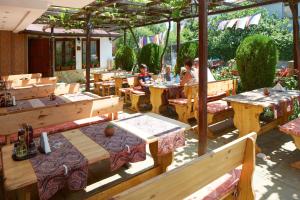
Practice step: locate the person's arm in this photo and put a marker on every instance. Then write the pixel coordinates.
(185, 79)
(142, 83)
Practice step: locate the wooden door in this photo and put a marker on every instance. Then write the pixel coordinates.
(39, 56)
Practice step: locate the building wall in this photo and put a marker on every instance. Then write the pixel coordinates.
(78, 54)
(105, 51)
(13, 53)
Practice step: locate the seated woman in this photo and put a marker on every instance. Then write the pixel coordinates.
(189, 77)
(144, 78)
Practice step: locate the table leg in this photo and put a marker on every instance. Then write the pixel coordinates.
(163, 161)
(246, 119)
(156, 98)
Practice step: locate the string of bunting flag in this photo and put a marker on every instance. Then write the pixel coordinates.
(240, 23)
(156, 39)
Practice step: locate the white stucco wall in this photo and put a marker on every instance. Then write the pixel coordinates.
(78, 54)
(105, 51)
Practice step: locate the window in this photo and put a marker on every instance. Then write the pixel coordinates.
(65, 54)
(95, 53)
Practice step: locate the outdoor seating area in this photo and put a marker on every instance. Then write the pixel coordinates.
(125, 99)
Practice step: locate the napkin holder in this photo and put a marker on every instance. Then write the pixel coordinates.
(44, 143)
(278, 87)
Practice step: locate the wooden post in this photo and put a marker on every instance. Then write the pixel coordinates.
(125, 36)
(177, 41)
(202, 118)
(294, 8)
(52, 48)
(88, 50)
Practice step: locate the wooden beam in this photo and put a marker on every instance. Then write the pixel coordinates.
(52, 47)
(294, 8)
(178, 41)
(202, 118)
(88, 51)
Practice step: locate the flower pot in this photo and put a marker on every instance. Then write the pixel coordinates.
(109, 131)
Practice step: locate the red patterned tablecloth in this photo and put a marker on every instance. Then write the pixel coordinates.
(65, 165)
(123, 146)
(169, 135)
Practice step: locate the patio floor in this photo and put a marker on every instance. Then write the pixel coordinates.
(273, 179)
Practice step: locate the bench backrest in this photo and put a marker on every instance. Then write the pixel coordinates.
(57, 114)
(39, 91)
(216, 87)
(22, 83)
(21, 76)
(189, 178)
(190, 91)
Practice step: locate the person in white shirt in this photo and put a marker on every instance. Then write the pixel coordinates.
(210, 77)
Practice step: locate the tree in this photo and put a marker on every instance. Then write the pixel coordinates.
(223, 44)
(125, 58)
(150, 55)
(256, 59)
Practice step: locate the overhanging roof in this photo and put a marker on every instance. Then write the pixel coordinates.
(43, 29)
(113, 15)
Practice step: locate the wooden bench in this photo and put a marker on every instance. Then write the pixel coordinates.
(21, 76)
(132, 82)
(43, 90)
(57, 114)
(293, 129)
(186, 108)
(215, 175)
(26, 82)
(137, 96)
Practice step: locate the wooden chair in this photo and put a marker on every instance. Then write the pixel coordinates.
(132, 82)
(224, 173)
(185, 106)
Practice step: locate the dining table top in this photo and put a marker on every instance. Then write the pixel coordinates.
(258, 98)
(149, 126)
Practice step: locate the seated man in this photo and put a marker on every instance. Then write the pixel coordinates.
(144, 78)
(210, 77)
(168, 75)
(189, 77)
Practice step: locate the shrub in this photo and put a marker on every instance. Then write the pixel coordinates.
(150, 56)
(256, 59)
(187, 50)
(125, 58)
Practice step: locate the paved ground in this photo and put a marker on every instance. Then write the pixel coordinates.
(273, 179)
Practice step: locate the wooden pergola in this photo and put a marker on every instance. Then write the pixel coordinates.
(122, 15)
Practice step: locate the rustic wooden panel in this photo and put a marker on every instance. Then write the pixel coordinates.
(19, 53)
(5, 53)
(13, 53)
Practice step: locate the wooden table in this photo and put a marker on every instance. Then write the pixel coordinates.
(156, 95)
(20, 176)
(31, 104)
(248, 106)
(165, 160)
